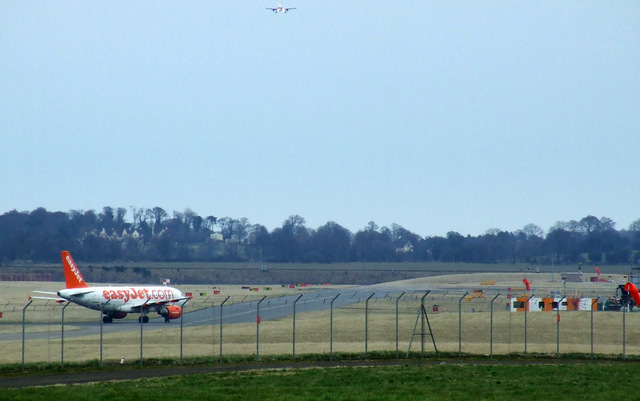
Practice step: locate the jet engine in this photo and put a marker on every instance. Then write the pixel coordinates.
(170, 312)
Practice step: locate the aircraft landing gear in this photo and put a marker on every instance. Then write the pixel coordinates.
(107, 319)
(145, 319)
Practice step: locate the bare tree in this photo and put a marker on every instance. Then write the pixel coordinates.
(532, 230)
(211, 222)
(159, 215)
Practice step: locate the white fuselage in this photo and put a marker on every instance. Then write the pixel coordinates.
(122, 298)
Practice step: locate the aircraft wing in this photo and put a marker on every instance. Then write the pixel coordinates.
(82, 293)
(143, 302)
(54, 298)
(48, 298)
(72, 292)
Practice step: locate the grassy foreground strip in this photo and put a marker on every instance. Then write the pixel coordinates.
(446, 381)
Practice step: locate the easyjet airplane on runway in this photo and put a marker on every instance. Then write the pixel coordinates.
(117, 301)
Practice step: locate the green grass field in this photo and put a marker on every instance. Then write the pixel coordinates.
(446, 381)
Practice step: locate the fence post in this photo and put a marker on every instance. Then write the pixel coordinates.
(491, 327)
(181, 329)
(101, 325)
(294, 325)
(221, 305)
(526, 308)
(23, 329)
(592, 303)
(62, 337)
(558, 327)
(398, 300)
(624, 329)
(460, 324)
(258, 328)
(366, 325)
(142, 316)
(331, 329)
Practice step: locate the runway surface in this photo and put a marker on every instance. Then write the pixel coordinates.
(245, 312)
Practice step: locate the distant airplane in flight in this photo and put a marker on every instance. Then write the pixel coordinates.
(116, 301)
(281, 9)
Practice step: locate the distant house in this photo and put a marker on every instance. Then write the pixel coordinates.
(134, 234)
(407, 248)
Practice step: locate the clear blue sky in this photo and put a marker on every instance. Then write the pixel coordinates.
(435, 115)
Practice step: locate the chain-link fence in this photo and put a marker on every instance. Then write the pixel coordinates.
(328, 322)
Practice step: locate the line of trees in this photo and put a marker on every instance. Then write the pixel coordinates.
(153, 235)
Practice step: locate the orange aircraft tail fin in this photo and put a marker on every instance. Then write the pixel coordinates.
(72, 275)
